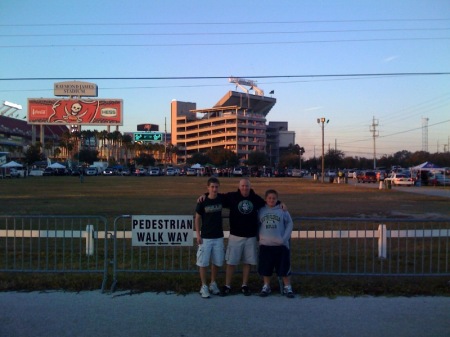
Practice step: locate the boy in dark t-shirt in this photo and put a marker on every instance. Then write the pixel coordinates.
(209, 231)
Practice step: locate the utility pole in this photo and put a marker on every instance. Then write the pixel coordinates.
(425, 134)
(319, 121)
(375, 134)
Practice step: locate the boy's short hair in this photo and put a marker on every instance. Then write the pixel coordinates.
(271, 192)
(212, 180)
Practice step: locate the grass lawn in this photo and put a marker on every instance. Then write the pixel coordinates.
(113, 196)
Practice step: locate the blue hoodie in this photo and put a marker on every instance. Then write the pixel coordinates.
(275, 226)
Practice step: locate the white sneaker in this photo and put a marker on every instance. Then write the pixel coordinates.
(204, 291)
(288, 292)
(214, 289)
(265, 291)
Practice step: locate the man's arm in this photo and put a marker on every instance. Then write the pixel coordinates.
(204, 196)
(198, 219)
(289, 226)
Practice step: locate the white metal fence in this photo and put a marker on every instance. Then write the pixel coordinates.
(53, 244)
(345, 246)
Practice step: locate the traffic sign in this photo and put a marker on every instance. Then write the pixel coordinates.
(148, 136)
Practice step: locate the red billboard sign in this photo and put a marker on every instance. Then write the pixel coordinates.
(75, 111)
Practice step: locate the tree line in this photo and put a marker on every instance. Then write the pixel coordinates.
(88, 146)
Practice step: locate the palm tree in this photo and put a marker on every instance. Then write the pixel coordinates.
(103, 135)
(109, 138)
(64, 142)
(117, 143)
(76, 141)
(57, 152)
(127, 143)
(48, 147)
(88, 135)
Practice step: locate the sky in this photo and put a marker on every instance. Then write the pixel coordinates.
(363, 65)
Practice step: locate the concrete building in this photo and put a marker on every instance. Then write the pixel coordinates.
(237, 122)
(278, 136)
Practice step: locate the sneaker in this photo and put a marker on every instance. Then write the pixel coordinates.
(288, 292)
(226, 290)
(265, 291)
(204, 292)
(214, 289)
(246, 291)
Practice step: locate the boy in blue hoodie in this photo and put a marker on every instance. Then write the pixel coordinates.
(274, 235)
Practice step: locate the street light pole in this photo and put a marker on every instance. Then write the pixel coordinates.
(323, 120)
(300, 158)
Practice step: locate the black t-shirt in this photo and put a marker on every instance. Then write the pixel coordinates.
(243, 212)
(211, 213)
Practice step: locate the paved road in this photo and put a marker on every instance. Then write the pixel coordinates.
(94, 314)
(426, 190)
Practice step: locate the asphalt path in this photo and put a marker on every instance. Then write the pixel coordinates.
(149, 314)
(425, 190)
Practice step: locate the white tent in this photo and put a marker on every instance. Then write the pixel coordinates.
(12, 164)
(427, 166)
(196, 166)
(57, 166)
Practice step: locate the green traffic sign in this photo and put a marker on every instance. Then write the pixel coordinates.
(148, 136)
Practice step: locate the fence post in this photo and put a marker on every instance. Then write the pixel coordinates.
(89, 240)
(382, 241)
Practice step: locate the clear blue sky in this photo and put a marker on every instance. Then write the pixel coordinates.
(91, 39)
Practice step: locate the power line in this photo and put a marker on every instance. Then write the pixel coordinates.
(222, 77)
(222, 43)
(395, 133)
(228, 33)
(227, 23)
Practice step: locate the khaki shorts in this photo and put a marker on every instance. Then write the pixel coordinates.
(241, 250)
(211, 250)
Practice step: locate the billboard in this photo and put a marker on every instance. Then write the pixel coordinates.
(76, 88)
(75, 111)
(148, 127)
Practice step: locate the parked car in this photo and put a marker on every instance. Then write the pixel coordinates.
(125, 172)
(15, 173)
(36, 173)
(330, 173)
(191, 172)
(75, 172)
(171, 171)
(401, 179)
(91, 171)
(48, 172)
(238, 172)
(296, 173)
(139, 172)
(279, 173)
(108, 171)
(154, 171)
(438, 179)
(367, 177)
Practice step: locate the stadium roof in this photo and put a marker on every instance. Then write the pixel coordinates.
(254, 103)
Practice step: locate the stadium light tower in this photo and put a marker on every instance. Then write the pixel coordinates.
(7, 106)
(323, 120)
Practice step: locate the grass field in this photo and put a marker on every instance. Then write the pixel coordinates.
(112, 196)
(115, 196)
